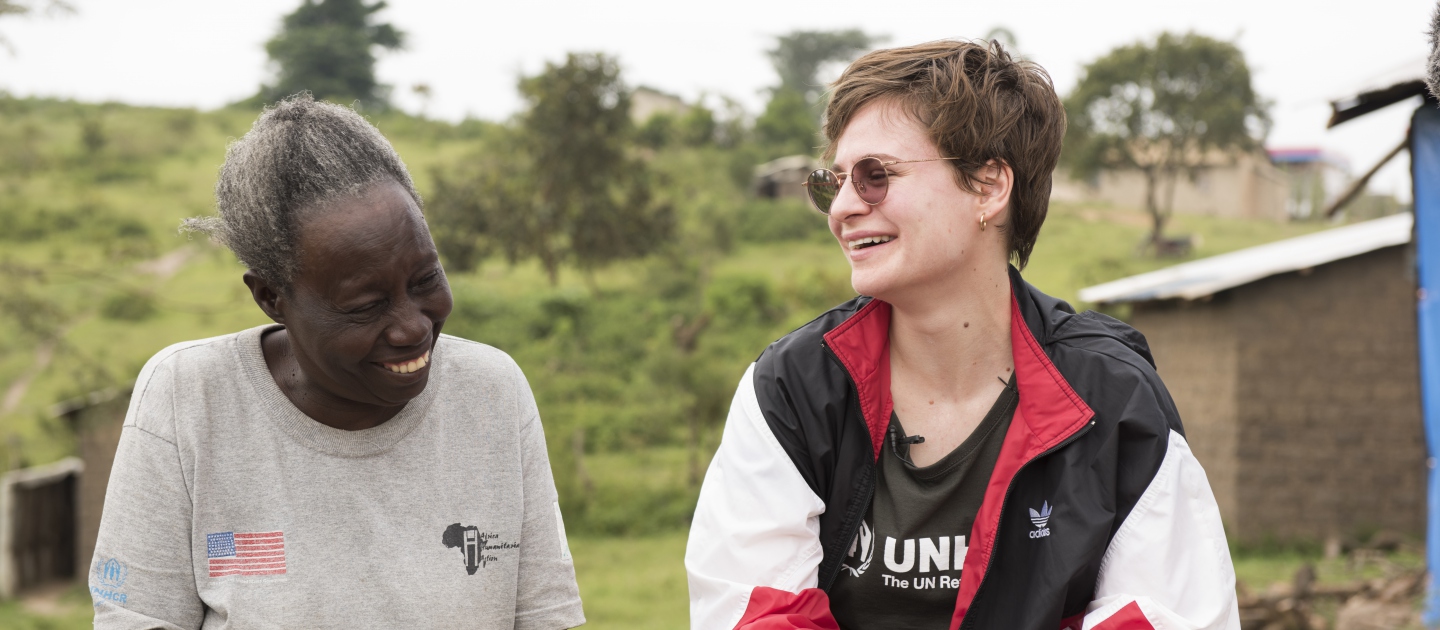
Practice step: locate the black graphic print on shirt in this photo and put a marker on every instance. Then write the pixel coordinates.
(474, 544)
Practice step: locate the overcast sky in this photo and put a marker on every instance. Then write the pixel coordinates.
(205, 53)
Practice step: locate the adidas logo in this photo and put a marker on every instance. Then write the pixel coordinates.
(1041, 519)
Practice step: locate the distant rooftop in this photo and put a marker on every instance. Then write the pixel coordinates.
(1307, 154)
(1208, 276)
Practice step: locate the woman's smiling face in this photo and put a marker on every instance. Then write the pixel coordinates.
(366, 308)
(929, 226)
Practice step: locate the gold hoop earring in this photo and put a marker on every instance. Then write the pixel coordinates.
(982, 224)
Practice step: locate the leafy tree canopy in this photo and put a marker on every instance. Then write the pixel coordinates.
(799, 55)
(787, 127)
(328, 47)
(568, 191)
(1005, 36)
(25, 7)
(1167, 108)
(791, 121)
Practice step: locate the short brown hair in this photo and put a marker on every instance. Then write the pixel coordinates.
(978, 104)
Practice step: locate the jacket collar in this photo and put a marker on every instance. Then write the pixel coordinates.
(1049, 406)
(1049, 410)
(862, 344)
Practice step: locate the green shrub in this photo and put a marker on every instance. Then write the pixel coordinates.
(771, 220)
(129, 306)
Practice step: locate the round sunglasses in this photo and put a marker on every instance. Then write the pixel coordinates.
(870, 176)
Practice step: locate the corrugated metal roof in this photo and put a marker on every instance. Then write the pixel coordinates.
(1208, 276)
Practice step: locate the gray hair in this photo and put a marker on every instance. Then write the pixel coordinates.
(300, 152)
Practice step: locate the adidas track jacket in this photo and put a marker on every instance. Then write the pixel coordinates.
(1134, 540)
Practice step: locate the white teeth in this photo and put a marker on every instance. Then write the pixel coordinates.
(409, 366)
(858, 243)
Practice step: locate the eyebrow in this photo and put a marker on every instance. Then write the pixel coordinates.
(883, 157)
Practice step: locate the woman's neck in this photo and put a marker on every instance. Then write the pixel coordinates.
(956, 337)
(309, 396)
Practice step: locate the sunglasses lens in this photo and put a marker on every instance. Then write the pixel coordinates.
(871, 180)
(822, 187)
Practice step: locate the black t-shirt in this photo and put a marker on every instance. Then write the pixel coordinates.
(902, 572)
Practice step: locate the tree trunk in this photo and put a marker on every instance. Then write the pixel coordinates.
(577, 444)
(694, 448)
(590, 282)
(552, 268)
(553, 272)
(1152, 206)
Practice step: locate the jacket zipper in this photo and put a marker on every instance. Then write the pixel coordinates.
(1003, 504)
(868, 492)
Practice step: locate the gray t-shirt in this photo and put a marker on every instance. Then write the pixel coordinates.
(229, 508)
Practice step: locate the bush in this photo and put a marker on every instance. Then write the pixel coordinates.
(129, 306)
(770, 220)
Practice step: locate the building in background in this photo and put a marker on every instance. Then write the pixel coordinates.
(646, 102)
(39, 544)
(1316, 177)
(1295, 371)
(1238, 186)
(50, 515)
(783, 178)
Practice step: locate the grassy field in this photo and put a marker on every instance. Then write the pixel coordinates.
(625, 584)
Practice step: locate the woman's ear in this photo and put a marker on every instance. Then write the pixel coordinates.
(267, 297)
(998, 180)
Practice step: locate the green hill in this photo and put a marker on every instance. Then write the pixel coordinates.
(633, 375)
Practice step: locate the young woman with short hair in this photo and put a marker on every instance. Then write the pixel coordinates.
(953, 448)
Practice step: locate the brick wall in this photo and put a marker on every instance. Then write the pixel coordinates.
(1329, 400)
(1300, 395)
(97, 431)
(1196, 355)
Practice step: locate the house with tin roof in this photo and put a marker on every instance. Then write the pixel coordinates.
(1295, 370)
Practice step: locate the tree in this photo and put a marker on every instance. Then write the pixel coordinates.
(1165, 108)
(1005, 36)
(566, 189)
(328, 48)
(787, 127)
(25, 7)
(791, 120)
(799, 55)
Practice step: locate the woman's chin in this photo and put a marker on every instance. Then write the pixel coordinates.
(869, 282)
(869, 285)
(396, 390)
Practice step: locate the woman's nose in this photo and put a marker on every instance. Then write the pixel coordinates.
(847, 203)
(411, 326)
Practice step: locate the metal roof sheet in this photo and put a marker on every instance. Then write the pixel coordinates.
(1208, 276)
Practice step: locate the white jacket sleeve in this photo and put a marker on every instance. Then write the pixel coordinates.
(1168, 566)
(756, 526)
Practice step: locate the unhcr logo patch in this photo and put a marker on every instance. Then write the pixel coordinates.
(1041, 519)
(862, 550)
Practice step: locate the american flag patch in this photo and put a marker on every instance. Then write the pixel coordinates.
(232, 553)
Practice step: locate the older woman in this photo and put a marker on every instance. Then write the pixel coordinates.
(953, 449)
(347, 466)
